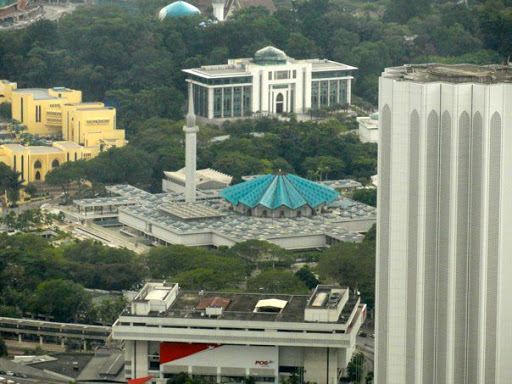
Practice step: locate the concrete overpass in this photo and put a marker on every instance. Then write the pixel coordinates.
(50, 332)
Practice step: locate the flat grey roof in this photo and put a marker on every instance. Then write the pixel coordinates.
(457, 73)
(67, 144)
(241, 307)
(38, 93)
(15, 147)
(188, 211)
(104, 202)
(216, 71)
(44, 149)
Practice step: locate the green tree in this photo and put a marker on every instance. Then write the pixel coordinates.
(13, 185)
(108, 310)
(262, 253)
(64, 300)
(96, 266)
(66, 174)
(355, 368)
(276, 281)
(31, 189)
(352, 265)
(3, 347)
(324, 167)
(366, 196)
(307, 277)
(5, 111)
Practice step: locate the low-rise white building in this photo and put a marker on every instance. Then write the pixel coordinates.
(226, 337)
(206, 179)
(369, 128)
(271, 83)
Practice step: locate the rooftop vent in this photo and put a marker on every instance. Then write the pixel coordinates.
(270, 305)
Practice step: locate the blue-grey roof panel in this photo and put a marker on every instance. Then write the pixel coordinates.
(274, 191)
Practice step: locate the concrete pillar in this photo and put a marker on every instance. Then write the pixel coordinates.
(62, 342)
(210, 103)
(349, 91)
(41, 340)
(85, 345)
(20, 340)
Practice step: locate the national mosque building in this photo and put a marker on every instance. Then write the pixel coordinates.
(197, 209)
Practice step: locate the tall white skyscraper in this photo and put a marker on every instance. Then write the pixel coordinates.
(444, 245)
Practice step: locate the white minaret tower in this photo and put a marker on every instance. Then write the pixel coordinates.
(218, 9)
(190, 130)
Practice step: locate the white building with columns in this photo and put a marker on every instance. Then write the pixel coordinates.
(271, 83)
(443, 289)
(227, 337)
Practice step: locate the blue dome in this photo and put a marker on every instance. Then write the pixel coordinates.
(276, 190)
(178, 9)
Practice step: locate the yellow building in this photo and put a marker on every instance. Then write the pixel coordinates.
(35, 162)
(6, 88)
(91, 124)
(40, 110)
(58, 113)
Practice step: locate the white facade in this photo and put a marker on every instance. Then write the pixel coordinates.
(368, 129)
(245, 336)
(245, 87)
(444, 312)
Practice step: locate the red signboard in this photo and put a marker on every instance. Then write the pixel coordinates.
(175, 351)
(141, 380)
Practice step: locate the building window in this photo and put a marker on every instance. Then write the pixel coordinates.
(333, 92)
(237, 101)
(22, 166)
(76, 156)
(282, 75)
(270, 75)
(21, 101)
(279, 103)
(294, 73)
(324, 87)
(37, 164)
(227, 102)
(281, 214)
(200, 100)
(217, 102)
(314, 94)
(55, 163)
(342, 90)
(247, 109)
(38, 175)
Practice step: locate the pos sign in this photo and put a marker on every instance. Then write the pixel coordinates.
(263, 363)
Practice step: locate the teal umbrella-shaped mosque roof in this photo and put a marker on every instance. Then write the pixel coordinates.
(280, 189)
(178, 9)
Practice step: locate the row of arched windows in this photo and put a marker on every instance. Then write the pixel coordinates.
(55, 164)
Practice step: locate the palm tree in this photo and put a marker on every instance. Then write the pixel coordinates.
(13, 183)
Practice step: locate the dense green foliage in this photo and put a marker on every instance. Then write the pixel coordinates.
(131, 61)
(355, 368)
(37, 277)
(366, 196)
(306, 148)
(3, 347)
(134, 62)
(352, 265)
(50, 281)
